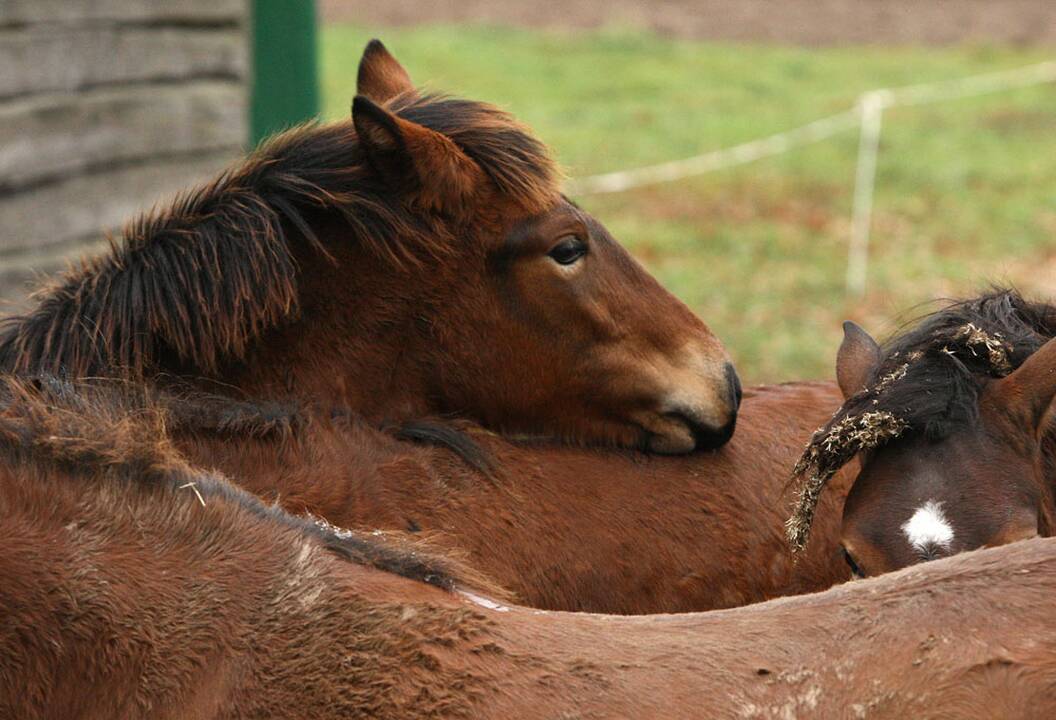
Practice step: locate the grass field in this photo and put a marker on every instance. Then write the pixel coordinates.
(966, 189)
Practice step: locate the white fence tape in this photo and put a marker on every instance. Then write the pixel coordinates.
(866, 116)
(717, 159)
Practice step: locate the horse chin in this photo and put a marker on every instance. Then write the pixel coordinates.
(671, 436)
(675, 440)
(677, 443)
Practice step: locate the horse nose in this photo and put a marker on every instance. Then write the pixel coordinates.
(701, 423)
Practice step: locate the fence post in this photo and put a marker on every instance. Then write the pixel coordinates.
(871, 107)
(285, 86)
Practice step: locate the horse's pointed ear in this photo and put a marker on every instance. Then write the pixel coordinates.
(416, 161)
(1029, 390)
(381, 77)
(857, 359)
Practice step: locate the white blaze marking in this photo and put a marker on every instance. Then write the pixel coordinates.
(928, 527)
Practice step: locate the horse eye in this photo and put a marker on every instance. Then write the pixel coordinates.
(568, 250)
(855, 570)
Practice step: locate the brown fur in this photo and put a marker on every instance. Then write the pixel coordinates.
(123, 596)
(118, 432)
(399, 263)
(566, 528)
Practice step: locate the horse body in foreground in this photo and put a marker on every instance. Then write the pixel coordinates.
(563, 528)
(418, 259)
(955, 419)
(133, 585)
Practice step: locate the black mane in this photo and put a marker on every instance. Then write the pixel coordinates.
(946, 365)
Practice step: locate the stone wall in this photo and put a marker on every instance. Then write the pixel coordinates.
(106, 108)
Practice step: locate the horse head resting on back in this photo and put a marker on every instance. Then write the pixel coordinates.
(955, 422)
(417, 260)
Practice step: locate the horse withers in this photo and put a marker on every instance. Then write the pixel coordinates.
(954, 422)
(418, 259)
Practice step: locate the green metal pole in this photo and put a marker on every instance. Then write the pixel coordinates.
(285, 86)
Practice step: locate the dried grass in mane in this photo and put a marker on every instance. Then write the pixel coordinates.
(928, 382)
(119, 430)
(204, 277)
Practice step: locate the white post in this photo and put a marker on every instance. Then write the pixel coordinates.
(871, 109)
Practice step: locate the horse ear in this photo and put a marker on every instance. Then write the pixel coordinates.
(857, 359)
(414, 159)
(1029, 390)
(381, 77)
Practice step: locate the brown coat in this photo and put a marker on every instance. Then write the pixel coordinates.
(134, 586)
(566, 528)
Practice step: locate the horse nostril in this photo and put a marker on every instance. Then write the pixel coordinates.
(734, 384)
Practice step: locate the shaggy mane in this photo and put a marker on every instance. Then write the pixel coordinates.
(928, 383)
(198, 281)
(120, 430)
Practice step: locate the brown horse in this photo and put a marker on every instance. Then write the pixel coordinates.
(134, 586)
(416, 260)
(956, 422)
(563, 528)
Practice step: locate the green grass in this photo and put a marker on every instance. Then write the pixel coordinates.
(966, 189)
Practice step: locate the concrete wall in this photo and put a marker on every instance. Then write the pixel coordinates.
(107, 107)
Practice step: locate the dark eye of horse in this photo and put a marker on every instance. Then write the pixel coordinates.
(568, 250)
(855, 570)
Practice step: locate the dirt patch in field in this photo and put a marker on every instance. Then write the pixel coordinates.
(736, 202)
(798, 22)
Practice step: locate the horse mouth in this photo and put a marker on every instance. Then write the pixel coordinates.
(675, 433)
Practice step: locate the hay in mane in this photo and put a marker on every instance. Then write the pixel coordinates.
(120, 430)
(202, 278)
(928, 383)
